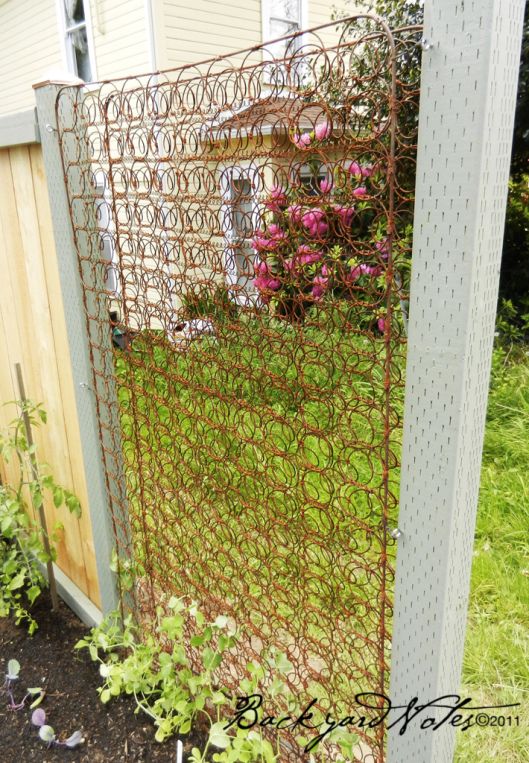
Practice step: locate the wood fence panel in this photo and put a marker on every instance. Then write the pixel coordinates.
(33, 333)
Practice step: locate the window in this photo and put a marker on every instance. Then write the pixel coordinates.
(77, 45)
(238, 219)
(280, 18)
(103, 206)
(310, 178)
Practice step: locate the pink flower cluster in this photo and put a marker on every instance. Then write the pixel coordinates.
(314, 246)
(303, 141)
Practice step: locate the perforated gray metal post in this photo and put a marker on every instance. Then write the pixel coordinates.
(79, 346)
(468, 90)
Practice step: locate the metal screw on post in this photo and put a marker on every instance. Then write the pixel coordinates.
(35, 475)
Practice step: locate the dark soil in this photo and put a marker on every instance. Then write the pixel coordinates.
(112, 732)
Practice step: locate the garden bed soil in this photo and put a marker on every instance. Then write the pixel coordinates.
(112, 732)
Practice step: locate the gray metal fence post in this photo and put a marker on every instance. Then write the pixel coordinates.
(468, 90)
(99, 502)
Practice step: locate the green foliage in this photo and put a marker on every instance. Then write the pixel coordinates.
(513, 309)
(496, 661)
(21, 537)
(520, 148)
(209, 301)
(176, 693)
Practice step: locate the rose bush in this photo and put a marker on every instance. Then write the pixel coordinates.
(329, 241)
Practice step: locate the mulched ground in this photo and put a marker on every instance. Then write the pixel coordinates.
(112, 732)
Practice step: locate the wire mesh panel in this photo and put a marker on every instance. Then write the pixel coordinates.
(241, 228)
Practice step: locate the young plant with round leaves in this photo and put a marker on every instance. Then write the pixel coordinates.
(48, 735)
(11, 677)
(22, 548)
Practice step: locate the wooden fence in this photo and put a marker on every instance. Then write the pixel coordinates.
(33, 333)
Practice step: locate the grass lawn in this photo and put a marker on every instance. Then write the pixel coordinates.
(256, 481)
(265, 420)
(496, 663)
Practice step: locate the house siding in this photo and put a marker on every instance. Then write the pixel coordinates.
(190, 32)
(121, 40)
(205, 28)
(185, 33)
(30, 45)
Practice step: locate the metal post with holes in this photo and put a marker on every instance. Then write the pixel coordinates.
(470, 69)
(99, 489)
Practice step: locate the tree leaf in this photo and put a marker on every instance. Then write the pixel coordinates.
(218, 736)
(47, 734)
(13, 669)
(38, 700)
(58, 496)
(38, 717)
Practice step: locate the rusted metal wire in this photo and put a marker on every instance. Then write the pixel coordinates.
(244, 221)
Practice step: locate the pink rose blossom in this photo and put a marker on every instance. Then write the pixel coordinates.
(360, 192)
(295, 211)
(325, 271)
(371, 270)
(308, 258)
(354, 274)
(322, 131)
(383, 248)
(381, 323)
(261, 268)
(278, 199)
(302, 141)
(319, 287)
(266, 282)
(325, 186)
(312, 217)
(345, 214)
(358, 170)
(260, 243)
(318, 230)
(277, 192)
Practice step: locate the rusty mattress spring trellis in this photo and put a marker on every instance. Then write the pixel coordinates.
(240, 226)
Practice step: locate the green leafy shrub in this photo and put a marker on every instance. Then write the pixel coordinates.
(513, 306)
(178, 694)
(22, 548)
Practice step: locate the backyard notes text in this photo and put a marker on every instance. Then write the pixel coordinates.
(450, 709)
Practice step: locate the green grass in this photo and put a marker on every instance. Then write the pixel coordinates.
(496, 662)
(255, 466)
(230, 425)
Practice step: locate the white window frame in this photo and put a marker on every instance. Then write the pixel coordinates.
(247, 169)
(68, 55)
(306, 172)
(107, 233)
(266, 10)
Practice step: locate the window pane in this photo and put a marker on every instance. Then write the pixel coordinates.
(280, 28)
(244, 263)
(79, 43)
(285, 9)
(311, 178)
(74, 11)
(241, 194)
